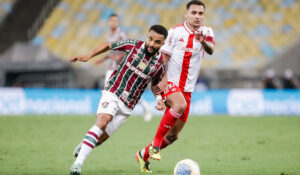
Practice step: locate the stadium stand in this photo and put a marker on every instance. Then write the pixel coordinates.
(248, 33)
(5, 8)
(17, 24)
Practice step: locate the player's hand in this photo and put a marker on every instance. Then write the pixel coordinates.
(160, 87)
(199, 36)
(80, 58)
(160, 105)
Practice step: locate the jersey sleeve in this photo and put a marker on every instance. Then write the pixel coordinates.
(123, 45)
(159, 74)
(209, 35)
(170, 42)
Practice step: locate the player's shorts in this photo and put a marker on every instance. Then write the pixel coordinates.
(112, 105)
(172, 88)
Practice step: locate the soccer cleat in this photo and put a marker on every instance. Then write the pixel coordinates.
(145, 165)
(154, 152)
(75, 169)
(77, 149)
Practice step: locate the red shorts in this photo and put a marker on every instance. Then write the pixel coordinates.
(172, 88)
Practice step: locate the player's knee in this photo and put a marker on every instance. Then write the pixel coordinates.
(102, 121)
(179, 107)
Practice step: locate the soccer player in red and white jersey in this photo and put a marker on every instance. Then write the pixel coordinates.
(183, 51)
(142, 64)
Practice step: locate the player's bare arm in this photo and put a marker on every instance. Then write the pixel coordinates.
(98, 50)
(208, 47)
(162, 85)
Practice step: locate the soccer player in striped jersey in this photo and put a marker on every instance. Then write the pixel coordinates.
(142, 64)
(183, 51)
(114, 56)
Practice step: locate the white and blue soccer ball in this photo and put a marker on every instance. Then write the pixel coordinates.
(187, 167)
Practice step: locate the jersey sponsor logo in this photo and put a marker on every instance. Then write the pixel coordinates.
(137, 71)
(185, 49)
(181, 40)
(128, 41)
(142, 65)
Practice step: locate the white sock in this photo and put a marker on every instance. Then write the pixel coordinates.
(88, 144)
(143, 152)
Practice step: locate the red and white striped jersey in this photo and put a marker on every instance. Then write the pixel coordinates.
(186, 55)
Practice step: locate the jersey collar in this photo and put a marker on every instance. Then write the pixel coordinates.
(187, 28)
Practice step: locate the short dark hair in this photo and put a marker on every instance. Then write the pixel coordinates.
(160, 30)
(194, 2)
(113, 15)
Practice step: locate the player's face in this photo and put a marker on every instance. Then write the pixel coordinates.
(195, 15)
(113, 22)
(154, 42)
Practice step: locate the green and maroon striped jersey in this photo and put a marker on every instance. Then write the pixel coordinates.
(136, 70)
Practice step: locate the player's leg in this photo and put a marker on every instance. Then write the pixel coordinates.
(103, 137)
(90, 140)
(107, 108)
(177, 104)
(146, 108)
(172, 135)
(111, 127)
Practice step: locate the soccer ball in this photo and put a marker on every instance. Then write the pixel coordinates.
(187, 167)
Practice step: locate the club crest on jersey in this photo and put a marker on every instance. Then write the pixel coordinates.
(152, 67)
(104, 104)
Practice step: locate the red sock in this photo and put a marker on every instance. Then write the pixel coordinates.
(165, 143)
(166, 123)
(146, 154)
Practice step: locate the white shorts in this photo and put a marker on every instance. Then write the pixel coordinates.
(111, 104)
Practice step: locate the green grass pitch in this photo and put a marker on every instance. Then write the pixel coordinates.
(43, 145)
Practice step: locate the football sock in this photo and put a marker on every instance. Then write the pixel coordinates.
(89, 142)
(145, 152)
(166, 123)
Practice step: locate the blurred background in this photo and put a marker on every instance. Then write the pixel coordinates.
(257, 48)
